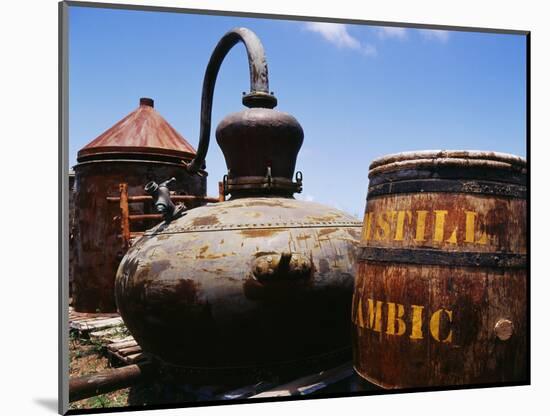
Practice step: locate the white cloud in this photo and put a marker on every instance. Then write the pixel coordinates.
(434, 34)
(392, 32)
(337, 34)
(369, 50)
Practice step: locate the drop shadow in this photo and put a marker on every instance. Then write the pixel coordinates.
(49, 404)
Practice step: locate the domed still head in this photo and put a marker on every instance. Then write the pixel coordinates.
(260, 144)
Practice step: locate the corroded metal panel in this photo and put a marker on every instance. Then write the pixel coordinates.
(441, 285)
(97, 240)
(142, 132)
(247, 283)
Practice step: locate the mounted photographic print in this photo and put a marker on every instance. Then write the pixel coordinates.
(264, 208)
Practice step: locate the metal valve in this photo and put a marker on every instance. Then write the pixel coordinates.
(162, 201)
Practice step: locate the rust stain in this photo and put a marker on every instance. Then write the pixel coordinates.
(325, 231)
(202, 250)
(258, 233)
(214, 256)
(206, 220)
(187, 291)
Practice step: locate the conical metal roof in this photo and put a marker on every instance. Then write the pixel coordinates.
(141, 134)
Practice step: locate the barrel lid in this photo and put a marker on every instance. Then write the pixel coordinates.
(433, 159)
(142, 134)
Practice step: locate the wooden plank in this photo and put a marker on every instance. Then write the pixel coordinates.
(135, 358)
(121, 339)
(129, 359)
(141, 217)
(221, 192)
(107, 381)
(87, 318)
(124, 215)
(96, 324)
(129, 351)
(119, 345)
(87, 315)
(89, 323)
(108, 335)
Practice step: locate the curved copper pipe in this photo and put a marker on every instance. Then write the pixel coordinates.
(259, 95)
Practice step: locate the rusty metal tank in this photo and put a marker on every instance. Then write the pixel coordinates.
(139, 148)
(257, 285)
(441, 287)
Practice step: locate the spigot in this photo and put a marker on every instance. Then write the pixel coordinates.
(161, 199)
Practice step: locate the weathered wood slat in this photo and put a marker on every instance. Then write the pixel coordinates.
(97, 323)
(84, 315)
(121, 339)
(108, 335)
(88, 318)
(120, 345)
(87, 326)
(141, 217)
(107, 381)
(124, 215)
(129, 351)
(135, 358)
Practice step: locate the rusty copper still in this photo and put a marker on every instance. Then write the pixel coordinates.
(257, 285)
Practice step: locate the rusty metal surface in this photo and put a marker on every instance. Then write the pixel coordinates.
(198, 293)
(142, 132)
(272, 140)
(259, 95)
(258, 214)
(97, 242)
(440, 291)
(254, 284)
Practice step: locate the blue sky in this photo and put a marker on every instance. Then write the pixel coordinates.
(359, 91)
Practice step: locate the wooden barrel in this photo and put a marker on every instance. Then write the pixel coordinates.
(441, 284)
